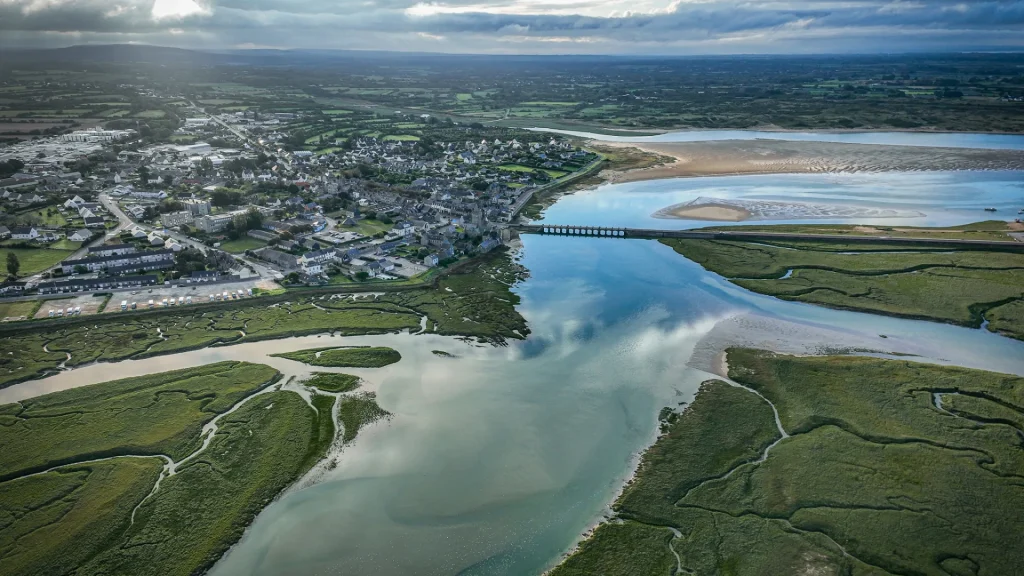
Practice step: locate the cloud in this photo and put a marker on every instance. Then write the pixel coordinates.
(659, 26)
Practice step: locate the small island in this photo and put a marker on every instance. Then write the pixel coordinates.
(353, 357)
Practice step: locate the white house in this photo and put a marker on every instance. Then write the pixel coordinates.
(138, 232)
(24, 233)
(81, 236)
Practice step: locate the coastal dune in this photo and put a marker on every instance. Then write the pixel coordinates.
(726, 157)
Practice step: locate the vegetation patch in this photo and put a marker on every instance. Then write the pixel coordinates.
(358, 411)
(147, 415)
(888, 467)
(954, 287)
(356, 357)
(333, 382)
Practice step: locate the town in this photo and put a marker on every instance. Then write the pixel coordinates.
(251, 200)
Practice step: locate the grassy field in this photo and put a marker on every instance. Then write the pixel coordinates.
(362, 357)
(19, 309)
(959, 287)
(241, 245)
(475, 302)
(33, 260)
(158, 414)
(333, 382)
(367, 227)
(874, 477)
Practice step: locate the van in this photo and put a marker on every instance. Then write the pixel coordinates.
(150, 303)
(181, 300)
(240, 294)
(164, 302)
(78, 310)
(124, 304)
(134, 304)
(52, 313)
(60, 313)
(171, 303)
(188, 300)
(69, 311)
(212, 298)
(226, 297)
(249, 291)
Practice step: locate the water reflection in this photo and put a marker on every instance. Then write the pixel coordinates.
(495, 461)
(946, 198)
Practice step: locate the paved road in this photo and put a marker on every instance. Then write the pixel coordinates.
(122, 222)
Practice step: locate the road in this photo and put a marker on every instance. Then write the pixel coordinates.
(123, 222)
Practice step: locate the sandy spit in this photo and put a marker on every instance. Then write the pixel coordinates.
(734, 157)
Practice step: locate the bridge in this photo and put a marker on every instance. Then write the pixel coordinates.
(738, 235)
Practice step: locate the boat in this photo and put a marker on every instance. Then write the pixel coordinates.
(990, 209)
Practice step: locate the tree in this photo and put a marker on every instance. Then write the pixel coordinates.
(144, 174)
(362, 275)
(13, 265)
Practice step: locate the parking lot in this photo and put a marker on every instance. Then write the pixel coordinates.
(87, 303)
(200, 293)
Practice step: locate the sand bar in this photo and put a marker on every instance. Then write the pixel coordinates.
(721, 158)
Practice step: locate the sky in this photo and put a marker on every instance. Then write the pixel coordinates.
(653, 27)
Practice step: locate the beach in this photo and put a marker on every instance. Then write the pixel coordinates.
(729, 157)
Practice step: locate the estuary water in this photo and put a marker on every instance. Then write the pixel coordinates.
(494, 462)
(934, 139)
(941, 198)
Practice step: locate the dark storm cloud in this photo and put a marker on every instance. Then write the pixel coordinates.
(468, 25)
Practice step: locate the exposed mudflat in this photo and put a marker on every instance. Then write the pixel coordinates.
(728, 157)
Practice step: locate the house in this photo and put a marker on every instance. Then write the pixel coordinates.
(90, 285)
(317, 256)
(155, 239)
(282, 259)
(94, 222)
(147, 260)
(467, 157)
(24, 233)
(112, 249)
(404, 229)
(82, 235)
(138, 233)
(5, 232)
(487, 245)
(430, 260)
(135, 211)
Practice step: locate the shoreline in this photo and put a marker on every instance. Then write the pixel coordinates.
(764, 157)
